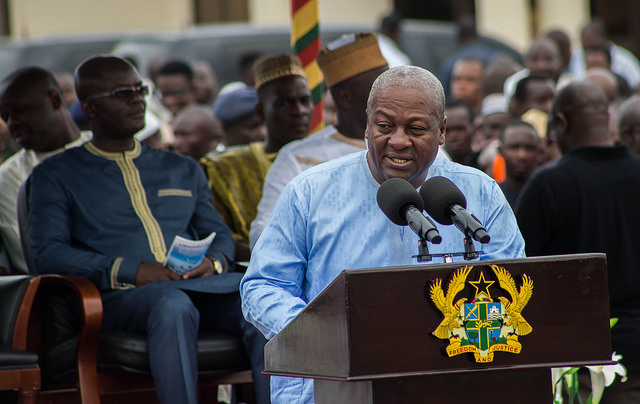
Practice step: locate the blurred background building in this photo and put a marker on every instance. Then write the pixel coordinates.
(513, 21)
(98, 25)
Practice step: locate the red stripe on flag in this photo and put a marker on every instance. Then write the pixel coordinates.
(318, 114)
(309, 54)
(297, 4)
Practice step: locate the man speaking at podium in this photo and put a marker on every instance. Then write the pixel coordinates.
(327, 220)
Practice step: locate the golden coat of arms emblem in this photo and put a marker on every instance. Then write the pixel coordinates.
(485, 324)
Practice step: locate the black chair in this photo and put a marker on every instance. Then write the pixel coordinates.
(19, 369)
(76, 356)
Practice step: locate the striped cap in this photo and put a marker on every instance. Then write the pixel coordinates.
(274, 67)
(349, 56)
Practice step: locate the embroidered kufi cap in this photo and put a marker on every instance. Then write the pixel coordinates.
(274, 67)
(349, 56)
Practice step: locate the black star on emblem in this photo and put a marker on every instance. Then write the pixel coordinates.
(482, 285)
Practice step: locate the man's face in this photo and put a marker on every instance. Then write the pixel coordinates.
(466, 81)
(539, 95)
(175, 92)
(521, 151)
(29, 113)
(286, 106)
(459, 133)
(193, 137)
(245, 131)
(403, 134)
(204, 83)
(492, 125)
(120, 115)
(544, 59)
(593, 58)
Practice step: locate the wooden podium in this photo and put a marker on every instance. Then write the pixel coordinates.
(368, 336)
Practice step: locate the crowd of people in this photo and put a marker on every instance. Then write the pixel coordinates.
(545, 153)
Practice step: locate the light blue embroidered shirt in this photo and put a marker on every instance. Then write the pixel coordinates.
(327, 220)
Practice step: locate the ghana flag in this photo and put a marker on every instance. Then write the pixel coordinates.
(306, 44)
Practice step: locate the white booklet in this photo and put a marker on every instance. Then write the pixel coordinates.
(185, 255)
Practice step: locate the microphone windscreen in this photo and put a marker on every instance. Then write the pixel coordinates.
(393, 195)
(438, 193)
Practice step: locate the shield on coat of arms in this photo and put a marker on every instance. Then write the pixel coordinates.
(482, 323)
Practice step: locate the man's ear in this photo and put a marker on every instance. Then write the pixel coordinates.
(342, 97)
(443, 131)
(89, 109)
(563, 123)
(260, 110)
(627, 137)
(55, 99)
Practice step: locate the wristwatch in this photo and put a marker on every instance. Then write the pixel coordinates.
(217, 265)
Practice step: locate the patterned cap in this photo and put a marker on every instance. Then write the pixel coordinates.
(349, 56)
(274, 67)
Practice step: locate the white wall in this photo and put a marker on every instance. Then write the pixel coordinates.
(32, 18)
(278, 11)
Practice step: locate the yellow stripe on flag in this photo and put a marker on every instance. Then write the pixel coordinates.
(303, 20)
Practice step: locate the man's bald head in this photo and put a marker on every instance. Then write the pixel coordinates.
(629, 123)
(92, 74)
(410, 77)
(30, 79)
(605, 79)
(579, 97)
(196, 131)
(580, 116)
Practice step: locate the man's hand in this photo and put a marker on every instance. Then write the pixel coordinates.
(149, 273)
(205, 268)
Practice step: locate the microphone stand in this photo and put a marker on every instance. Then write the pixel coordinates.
(423, 251)
(469, 253)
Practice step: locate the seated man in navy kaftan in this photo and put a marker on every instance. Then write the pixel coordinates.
(110, 209)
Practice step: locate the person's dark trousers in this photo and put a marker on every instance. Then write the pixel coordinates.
(171, 319)
(253, 339)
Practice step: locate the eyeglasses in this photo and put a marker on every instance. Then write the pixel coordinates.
(123, 93)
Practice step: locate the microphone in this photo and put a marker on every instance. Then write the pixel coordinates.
(398, 199)
(446, 204)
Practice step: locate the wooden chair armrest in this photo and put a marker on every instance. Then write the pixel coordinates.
(87, 349)
(21, 328)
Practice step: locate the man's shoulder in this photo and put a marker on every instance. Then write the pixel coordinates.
(166, 160)
(64, 157)
(229, 155)
(320, 147)
(446, 168)
(311, 141)
(340, 165)
(13, 163)
(229, 160)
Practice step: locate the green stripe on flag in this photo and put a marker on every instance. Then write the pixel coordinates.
(306, 39)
